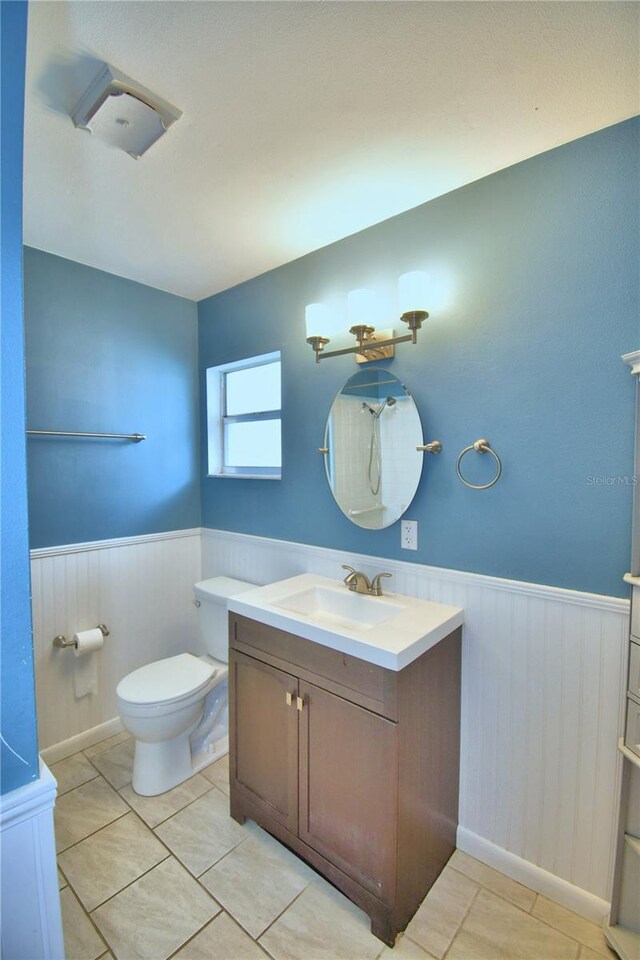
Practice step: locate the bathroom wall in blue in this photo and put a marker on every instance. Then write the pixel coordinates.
(19, 745)
(535, 298)
(108, 355)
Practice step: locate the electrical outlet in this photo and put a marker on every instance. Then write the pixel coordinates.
(409, 534)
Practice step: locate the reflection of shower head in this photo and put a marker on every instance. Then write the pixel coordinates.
(375, 413)
(387, 402)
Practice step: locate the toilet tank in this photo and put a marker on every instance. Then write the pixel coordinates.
(213, 623)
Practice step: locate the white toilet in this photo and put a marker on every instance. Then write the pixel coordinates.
(177, 708)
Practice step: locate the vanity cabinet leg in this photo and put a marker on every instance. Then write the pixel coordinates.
(383, 928)
(235, 809)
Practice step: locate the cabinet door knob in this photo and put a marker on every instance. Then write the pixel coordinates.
(288, 698)
(299, 703)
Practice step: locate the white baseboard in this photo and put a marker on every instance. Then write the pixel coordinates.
(31, 921)
(66, 748)
(555, 888)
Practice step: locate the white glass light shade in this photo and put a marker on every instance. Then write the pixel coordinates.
(317, 320)
(361, 307)
(413, 293)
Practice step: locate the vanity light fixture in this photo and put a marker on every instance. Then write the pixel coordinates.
(412, 291)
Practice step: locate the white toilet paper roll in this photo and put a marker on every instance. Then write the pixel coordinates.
(85, 674)
(87, 641)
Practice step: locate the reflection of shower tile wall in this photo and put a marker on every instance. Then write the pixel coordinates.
(350, 458)
(399, 460)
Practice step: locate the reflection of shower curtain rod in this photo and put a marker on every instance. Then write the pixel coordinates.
(371, 383)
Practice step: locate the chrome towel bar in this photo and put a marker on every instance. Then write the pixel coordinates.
(135, 437)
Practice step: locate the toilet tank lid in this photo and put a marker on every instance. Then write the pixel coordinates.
(220, 588)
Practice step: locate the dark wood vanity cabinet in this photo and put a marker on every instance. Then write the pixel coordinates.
(353, 766)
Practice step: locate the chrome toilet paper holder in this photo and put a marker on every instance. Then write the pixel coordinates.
(62, 642)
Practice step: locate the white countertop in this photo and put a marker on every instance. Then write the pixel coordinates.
(413, 626)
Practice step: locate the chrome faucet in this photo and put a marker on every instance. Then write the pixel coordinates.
(376, 587)
(356, 581)
(359, 582)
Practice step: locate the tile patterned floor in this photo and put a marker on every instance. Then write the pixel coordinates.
(152, 878)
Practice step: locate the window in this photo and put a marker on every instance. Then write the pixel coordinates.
(243, 418)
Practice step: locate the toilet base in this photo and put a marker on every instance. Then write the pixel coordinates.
(158, 767)
(215, 752)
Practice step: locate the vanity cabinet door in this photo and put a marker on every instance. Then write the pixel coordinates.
(263, 727)
(349, 788)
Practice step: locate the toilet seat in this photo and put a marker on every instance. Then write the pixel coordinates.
(166, 681)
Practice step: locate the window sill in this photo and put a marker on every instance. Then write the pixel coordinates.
(242, 476)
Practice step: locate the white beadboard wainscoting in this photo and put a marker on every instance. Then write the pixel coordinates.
(141, 588)
(542, 697)
(542, 701)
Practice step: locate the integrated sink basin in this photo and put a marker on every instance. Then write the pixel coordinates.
(339, 609)
(390, 631)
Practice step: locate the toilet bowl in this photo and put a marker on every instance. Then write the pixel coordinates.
(176, 708)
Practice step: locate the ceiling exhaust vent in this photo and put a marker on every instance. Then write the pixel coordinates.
(122, 113)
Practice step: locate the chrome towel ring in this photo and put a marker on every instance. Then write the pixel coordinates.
(480, 446)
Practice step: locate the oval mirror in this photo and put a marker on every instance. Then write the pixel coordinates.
(372, 464)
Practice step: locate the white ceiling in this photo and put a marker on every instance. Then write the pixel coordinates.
(303, 122)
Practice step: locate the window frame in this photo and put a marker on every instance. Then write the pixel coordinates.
(218, 419)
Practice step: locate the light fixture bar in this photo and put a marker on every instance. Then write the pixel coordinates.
(321, 355)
